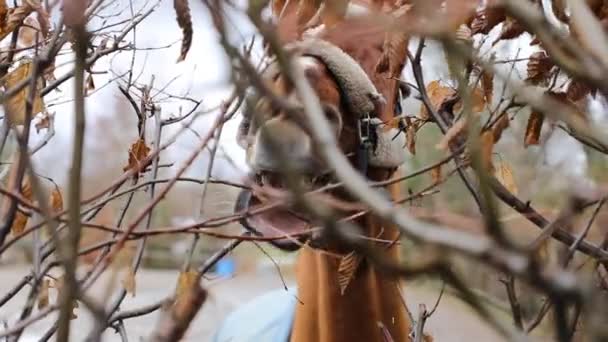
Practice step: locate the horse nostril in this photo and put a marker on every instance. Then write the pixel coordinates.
(280, 138)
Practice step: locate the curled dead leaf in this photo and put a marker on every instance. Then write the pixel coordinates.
(487, 85)
(347, 269)
(137, 153)
(43, 294)
(437, 94)
(436, 176)
(15, 106)
(13, 18)
(21, 217)
(487, 18)
(184, 20)
(533, 128)
(501, 124)
(511, 29)
(577, 90)
(539, 67)
(56, 201)
(487, 149)
(478, 102)
(504, 174)
(410, 133)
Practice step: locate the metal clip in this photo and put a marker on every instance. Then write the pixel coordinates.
(364, 131)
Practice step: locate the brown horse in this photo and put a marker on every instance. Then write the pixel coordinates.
(340, 62)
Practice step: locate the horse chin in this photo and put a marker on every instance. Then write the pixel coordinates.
(279, 226)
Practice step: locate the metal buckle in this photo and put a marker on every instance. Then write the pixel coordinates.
(364, 131)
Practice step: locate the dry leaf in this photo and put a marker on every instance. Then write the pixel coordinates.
(451, 134)
(56, 201)
(43, 294)
(186, 281)
(184, 20)
(90, 83)
(21, 218)
(15, 106)
(504, 174)
(437, 95)
(511, 29)
(478, 102)
(501, 124)
(137, 153)
(13, 17)
(410, 133)
(487, 85)
(487, 18)
(128, 281)
(487, 148)
(577, 90)
(347, 270)
(539, 67)
(436, 175)
(44, 122)
(533, 128)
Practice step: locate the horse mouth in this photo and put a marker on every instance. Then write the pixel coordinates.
(275, 220)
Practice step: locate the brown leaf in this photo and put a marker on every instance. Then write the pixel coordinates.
(56, 201)
(478, 102)
(410, 133)
(3, 11)
(43, 294)
(504, 174)
(90, 83)
(511, 29)
(137, 153)
(539, 67)
(535, 124)
(21, 218)
(44, 122)
(13, 18)
(577, 90)
(347, 269)
(185, 282)
(436, 175)
(487, 18)
(451, 134)
(487, 149)
(16, 105)
(128, 281)
(437, 95)
(487, 85)
(501, 124)
(184, 20)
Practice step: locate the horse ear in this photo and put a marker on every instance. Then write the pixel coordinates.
(389, 152)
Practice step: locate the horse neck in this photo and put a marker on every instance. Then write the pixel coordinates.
(370, 300)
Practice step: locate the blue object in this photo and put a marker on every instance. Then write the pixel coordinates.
(225, 267)
(266, 318)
